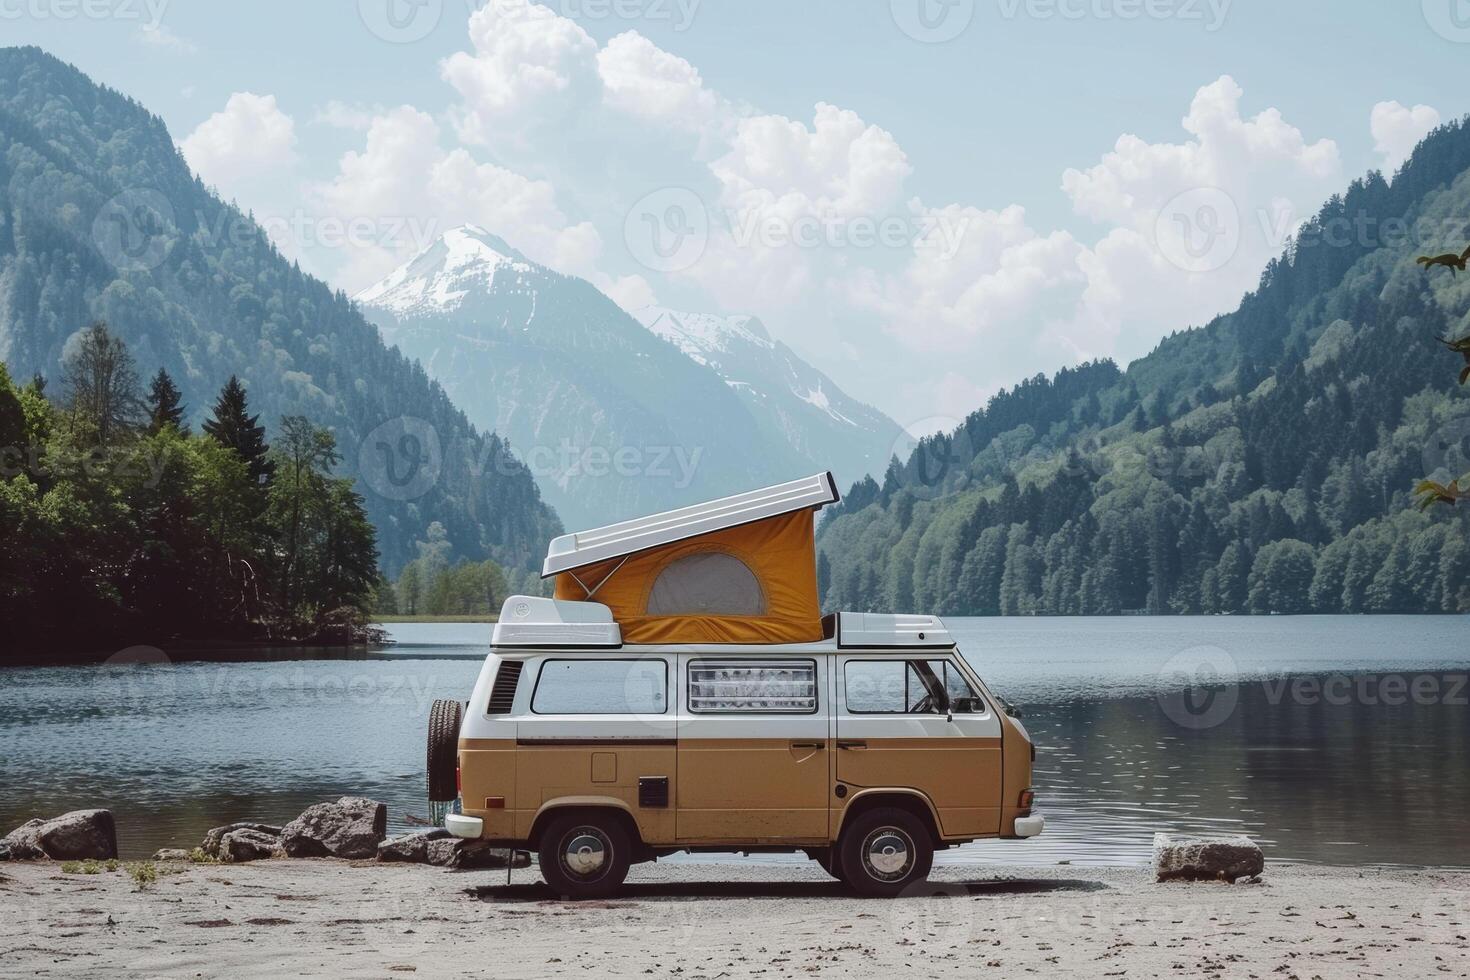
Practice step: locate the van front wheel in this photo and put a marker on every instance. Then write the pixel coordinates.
(585, 856)
(885, 851)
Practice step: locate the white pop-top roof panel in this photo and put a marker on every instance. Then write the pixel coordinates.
(857, 630)
(536, 622)
(617, 540)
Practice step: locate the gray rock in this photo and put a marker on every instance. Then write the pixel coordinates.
(171, 854)
(4, 852)
(350, 828)
(472, 855)
(212, 838)
(1179, 857)
(74, 836)
(413, 848)
(24, 842)
(247, 845)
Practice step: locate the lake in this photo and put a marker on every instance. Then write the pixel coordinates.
(1334, 739)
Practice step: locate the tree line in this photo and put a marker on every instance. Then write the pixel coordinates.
(123, 527)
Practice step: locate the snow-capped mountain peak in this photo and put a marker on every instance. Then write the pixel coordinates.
(743, 354)
(704, 336)
(438, 279)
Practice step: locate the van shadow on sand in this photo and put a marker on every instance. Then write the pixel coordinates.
(540, 892)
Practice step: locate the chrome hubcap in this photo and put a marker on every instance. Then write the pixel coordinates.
(585, 852)
(888, 853)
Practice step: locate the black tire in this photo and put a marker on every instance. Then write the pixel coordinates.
(892, 835)
(587, 837)
(827, 859)
(445, 718)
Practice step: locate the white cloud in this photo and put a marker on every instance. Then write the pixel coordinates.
(643, 80)
(1397, 129)
(159, 36)
(247, 143)
(403, 178)
(529, 66)
(841, 166)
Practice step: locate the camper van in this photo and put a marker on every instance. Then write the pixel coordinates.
(682, 691)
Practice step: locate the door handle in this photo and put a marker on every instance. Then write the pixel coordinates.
(808, 745)
(848, 744)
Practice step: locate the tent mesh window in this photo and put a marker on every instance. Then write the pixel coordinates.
(707, 584)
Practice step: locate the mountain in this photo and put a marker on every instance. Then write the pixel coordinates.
(100, 218)
(1262, 463)
(614, 420)
(794, 401)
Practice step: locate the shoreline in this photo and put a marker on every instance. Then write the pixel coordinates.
(333, 918)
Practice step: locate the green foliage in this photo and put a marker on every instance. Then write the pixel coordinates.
(165, 404)
(1264, 463)
(160, 536)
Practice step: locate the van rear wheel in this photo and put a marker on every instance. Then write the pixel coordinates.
(885, 851)
(585, 855)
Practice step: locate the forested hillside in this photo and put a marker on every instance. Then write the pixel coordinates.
(1262, 463)
(100, 219)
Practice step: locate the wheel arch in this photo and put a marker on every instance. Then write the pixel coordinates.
(591, 805)
(911, 800)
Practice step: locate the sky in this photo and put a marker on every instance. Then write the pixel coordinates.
(928, 199)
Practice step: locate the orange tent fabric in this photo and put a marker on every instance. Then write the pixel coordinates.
(779, 550)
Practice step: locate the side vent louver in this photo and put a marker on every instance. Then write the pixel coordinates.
(503, 693)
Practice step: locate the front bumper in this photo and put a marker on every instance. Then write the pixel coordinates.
(1030, 826)
(470, 828)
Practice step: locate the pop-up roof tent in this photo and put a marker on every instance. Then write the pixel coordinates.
(738, 570)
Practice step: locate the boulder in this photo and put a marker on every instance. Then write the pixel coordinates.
(247, 845)
(171, 854)
(473, 855)
(74, 836)
(211, 842)
(1180, 857)
(413, 848)
(24, 842)
(350, 828)
(4, 851)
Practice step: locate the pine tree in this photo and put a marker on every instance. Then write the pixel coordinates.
(233, 427)
(165, 404)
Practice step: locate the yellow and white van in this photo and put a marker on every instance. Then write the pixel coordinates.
(683, 692)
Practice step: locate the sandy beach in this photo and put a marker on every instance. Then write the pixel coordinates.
(702, 922)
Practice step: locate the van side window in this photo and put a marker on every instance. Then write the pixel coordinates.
(962, 697)
(756, 686)
(601, 687)
(890, 687)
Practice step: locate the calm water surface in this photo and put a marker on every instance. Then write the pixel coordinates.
(1342, 740)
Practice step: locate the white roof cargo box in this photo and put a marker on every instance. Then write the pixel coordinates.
(873, 630)
(618, 540)
(528, 621)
